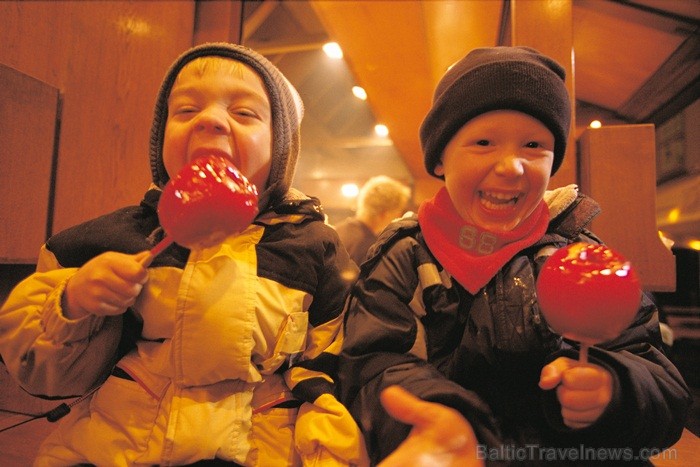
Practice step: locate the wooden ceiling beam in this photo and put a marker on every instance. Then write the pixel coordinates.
(257, 18)
(677, 74)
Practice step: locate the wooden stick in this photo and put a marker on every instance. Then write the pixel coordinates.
(583, 353)
(156, 250)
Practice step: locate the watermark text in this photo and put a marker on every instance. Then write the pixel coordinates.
(535, 452)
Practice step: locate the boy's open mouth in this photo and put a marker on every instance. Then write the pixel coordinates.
(493, 200)
(199, 152)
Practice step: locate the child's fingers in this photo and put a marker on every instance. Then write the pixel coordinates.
(144, 258)
(403, 405)
(412, 410)
(576, 424)
(131, 267)
(551, 375)
(580, 418)
(582, 400)
(585, 392)
(585, 377)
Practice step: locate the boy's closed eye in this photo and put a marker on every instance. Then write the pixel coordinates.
(245, 112)
(184, 110)
(182, 106)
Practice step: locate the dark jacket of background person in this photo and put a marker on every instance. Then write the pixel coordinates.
(357, 237)
(381, 200)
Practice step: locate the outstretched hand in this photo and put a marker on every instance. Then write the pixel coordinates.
(584, 390)
(106, 285)
(440, 437)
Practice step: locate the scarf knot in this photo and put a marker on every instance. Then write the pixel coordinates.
(472, 255)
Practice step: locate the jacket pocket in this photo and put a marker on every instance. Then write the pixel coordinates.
(126, 409)
(291, 339)
(293, 336)
(272, 438)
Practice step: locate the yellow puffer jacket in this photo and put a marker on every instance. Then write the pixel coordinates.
(223, 348)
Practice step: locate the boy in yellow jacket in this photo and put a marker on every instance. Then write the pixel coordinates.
(223, 353)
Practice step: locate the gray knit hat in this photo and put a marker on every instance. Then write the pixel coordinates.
(497, 78)
(287, 112)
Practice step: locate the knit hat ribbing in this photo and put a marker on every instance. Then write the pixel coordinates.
(497, 78)
(285, 103)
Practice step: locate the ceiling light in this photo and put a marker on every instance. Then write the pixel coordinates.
(381, 130)
(359, 92)
(333, 50)
(673, 215)
(595, 124)
(350, 190)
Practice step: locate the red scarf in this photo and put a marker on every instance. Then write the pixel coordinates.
(472, 255)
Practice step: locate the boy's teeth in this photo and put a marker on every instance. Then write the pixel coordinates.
(498, 197)
(497, 200)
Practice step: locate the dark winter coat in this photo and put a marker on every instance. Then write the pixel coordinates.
(409, 323)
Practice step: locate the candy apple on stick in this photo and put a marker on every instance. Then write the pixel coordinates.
(588, 293)
(207, 201)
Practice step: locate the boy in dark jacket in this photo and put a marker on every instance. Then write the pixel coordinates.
(224, 352)
(443, 328)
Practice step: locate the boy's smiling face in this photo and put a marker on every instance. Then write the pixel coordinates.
(219, 106)
(497, 167)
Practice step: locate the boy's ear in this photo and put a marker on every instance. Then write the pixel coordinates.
(439, 169)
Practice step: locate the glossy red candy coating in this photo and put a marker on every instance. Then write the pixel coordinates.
(588, 293)
(207, 201)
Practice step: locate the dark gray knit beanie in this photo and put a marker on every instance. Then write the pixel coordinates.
(287, 112)
(497, 78)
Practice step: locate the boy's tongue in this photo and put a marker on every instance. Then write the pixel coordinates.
(207, 201)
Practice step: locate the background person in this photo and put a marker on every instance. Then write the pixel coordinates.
(381, 200)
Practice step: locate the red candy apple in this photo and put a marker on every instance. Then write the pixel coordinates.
(207, 201)
(588, 293)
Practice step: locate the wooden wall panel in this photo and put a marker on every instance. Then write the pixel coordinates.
(107, 59)
(618, 170)
(28, 122)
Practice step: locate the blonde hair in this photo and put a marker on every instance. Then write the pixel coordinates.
(382, 194)
(201, 65)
